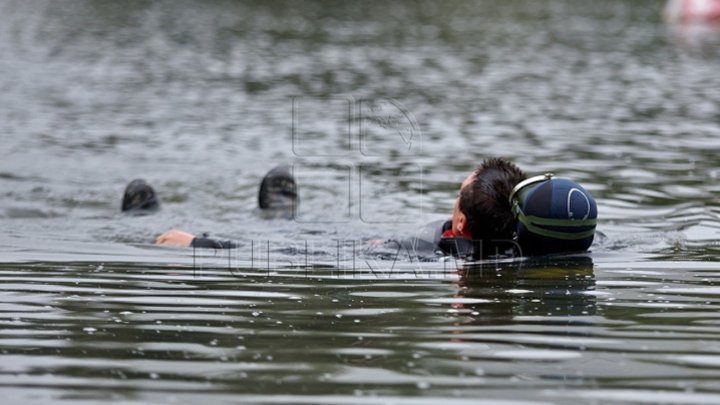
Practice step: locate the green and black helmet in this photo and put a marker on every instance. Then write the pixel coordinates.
(554, 215)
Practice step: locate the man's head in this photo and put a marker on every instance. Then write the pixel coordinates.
(482, 210)
(139, 197)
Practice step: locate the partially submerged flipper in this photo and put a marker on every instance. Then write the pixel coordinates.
(278, 190)
(139, 197)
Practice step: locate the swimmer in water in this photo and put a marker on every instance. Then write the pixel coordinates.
(481, 212)
(482, 220)
(498, 211)
(501, 212)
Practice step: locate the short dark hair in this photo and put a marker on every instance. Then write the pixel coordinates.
(485, 201)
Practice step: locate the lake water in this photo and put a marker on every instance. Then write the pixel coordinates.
(381, 110)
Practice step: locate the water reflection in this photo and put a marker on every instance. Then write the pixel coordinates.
(141, 330)
(550, 288)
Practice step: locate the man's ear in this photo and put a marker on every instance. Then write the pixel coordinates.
(462, 223)
(463, 228)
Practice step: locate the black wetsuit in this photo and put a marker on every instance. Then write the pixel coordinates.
(428, 241)
(437, 239)
(205, 242)
(432, 240)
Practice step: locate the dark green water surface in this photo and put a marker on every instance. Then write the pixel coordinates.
(382, 109)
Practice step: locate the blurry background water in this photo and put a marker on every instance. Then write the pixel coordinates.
(382, 109)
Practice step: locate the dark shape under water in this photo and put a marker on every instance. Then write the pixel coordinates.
(139, 198)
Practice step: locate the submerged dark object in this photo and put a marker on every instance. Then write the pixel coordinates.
(278, 190)
(139, 197)
(554, 215)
